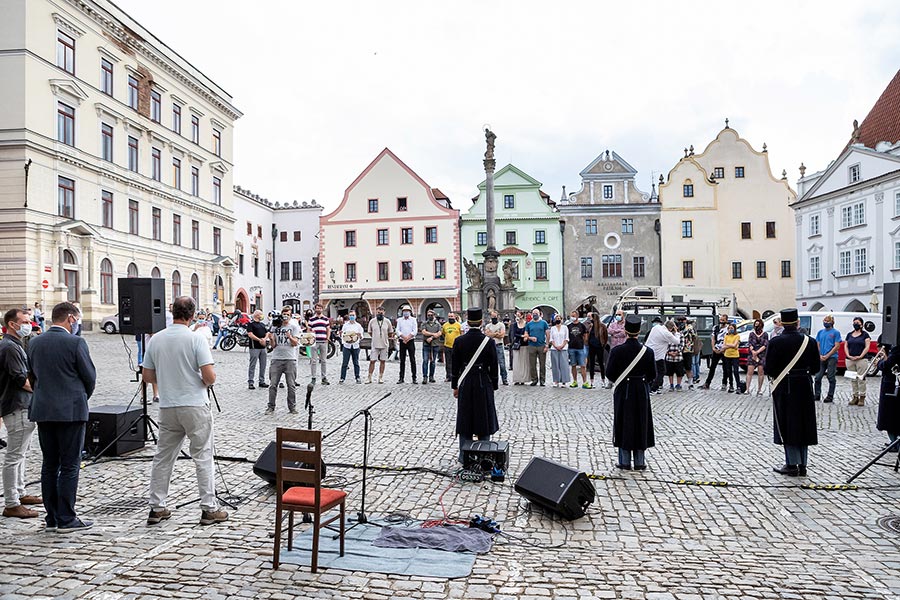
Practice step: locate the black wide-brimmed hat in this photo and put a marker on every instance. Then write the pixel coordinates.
(632, 324)
(474, 316)
(789, 316)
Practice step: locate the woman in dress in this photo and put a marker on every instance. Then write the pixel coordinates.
(756, 356)
(520, 375)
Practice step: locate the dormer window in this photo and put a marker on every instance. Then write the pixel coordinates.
(853, 174)
(688, 188)
(719, 173)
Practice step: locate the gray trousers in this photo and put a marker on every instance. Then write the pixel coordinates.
(537, 363)
(318, 352)
(196, 424)
(287, 368)
(257, 355)
(20, 431)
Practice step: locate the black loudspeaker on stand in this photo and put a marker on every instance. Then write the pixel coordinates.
(142, 305)
(890, 314)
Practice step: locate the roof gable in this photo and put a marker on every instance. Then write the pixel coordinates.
(512, 176)
(833, 177)
(608, 163)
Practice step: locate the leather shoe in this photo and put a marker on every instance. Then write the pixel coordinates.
(640, 467)
(789, 470)
(20, 512)
(624, 467)
(26, 500)
(801, 470)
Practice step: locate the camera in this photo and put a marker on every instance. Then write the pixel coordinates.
(277, 320)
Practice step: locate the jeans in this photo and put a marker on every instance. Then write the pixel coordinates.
(626, 455)
(501, 362)
(140, 346)
(20, 431)
(732, 372)
(348, 354)
(220, 336)
(429, 361)
(828, 367)
(695, 366)
(463, 440)
(61, 445)
(318, 352)
(408, 349)
(288, 368)
(257, 355)
(175, 424)
(795, 455)
(448, 361)
(559, 365)
(537, 363)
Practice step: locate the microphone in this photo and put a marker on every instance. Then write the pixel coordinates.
(309, 391)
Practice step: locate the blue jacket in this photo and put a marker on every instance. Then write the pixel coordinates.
(62, 376)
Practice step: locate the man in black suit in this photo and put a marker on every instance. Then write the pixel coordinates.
(476, 414)
(62, 376)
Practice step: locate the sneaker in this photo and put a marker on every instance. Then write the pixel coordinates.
(325, 381)
(2, 443)
(156, 399)
(574, 384)
(400, 381)
(724, 387)
(270, 411)
(431, 380)
(534, 383)
(678, 388)
(19, 512)
(157, 516)
(690, 386)
(314, 381)
(341, 382)
(505, 383)
(415, 381)
(730, 390)
(262, 385)
(76, 525)
(369, 380)
(672, 387)
(293, 411)
(250, 386)
(587, 386)
(358, 380)
(381, 380)
(211, 517)
(424, 381)
(704, 386)
(828, 399)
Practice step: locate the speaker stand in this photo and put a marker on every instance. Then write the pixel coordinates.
(144, 417)
(893, 446)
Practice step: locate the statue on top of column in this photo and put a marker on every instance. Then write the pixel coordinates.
(489, 137)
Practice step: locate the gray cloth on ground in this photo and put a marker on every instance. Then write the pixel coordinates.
(450, 539)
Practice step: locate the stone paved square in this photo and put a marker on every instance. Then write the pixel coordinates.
(645, 537)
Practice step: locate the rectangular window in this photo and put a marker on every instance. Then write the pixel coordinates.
(509, 201)
(401, 204)
(259, 231)
(481, 238)
(249, 228)
(296, 236)
(283, 236)
(738, 172)
(860, 261)
(350, 239)
(176, 173)
(382, 237)
(897, 204)
(687, 269)
(176, 118)
(853, 174)
(132, 154)
(406, 235)
(761, 269)
(611, 265)
(133, 92)
(627, 226)
(688, 190)
(65, 124)
(256, 266)
(687, 229)
(770, 229)
(737, 270)
(217, 142)
(65, 52)
(814, 272)
(268, 268)
(106, 142)
(844, 262)
(156, 164)
(607, 191)
(590, 226)
(106, 199)
(440, 269)
(195, 129)
(638, 267)
(431, 235)
(587, 267)
(217, 191)
(785, 268)
(897, 255)
(745, 231)
(719, 173)
(285, 271)
(510, 238)
(195, 182)
(540, 270)
(350, 269)
(859, 213)
(134, 217)
(217, 241)
(814, 226)
(373, 205)
(155, 106)
(157, 223)
(106, 77)
(241, 263)
(176, 230)
(383, 271)
(540, 237)
(406, 270)
(195, 235)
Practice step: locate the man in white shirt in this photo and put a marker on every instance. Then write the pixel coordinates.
(407, 328)
(496, 330)
(382, 331)
(351, 334)
(182, 365)
(658, 341)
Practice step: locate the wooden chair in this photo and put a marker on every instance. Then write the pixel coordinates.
(312, 500)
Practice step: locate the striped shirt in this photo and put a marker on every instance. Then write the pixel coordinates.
(319, 326)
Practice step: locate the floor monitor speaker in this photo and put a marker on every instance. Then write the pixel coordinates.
(557, 488)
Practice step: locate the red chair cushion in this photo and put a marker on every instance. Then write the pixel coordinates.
(306, 496)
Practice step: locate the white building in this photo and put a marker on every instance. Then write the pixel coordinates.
(276, 249)
(115, 160)
(848, 217)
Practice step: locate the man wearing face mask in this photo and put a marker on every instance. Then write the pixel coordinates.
(15, 398)
(381, 330)
(497, 331)
(62, 376)
(536, 330)
(407, 327)
(718, 346)
(320, 325)
(431, 346)
(450, 330)
(829, 340)
(351, 334)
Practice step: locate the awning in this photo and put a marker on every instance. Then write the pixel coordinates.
(389, 294)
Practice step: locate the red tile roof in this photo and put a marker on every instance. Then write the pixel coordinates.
(512, 251)
(438, 194)
(882, 124)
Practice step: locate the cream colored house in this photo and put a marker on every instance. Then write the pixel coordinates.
(115, 161)
(726, 222)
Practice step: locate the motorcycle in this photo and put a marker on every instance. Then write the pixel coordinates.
(235, 335)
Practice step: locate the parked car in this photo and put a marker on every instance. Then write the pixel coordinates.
(110, 324)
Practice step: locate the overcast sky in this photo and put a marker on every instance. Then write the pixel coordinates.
(324, 86)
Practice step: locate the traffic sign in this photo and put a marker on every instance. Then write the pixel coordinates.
(45, 284)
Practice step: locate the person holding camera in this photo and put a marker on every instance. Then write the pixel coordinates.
(257, 332)
(351, 334)
(284, 338)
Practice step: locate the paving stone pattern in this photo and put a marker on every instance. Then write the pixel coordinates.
(645, 537)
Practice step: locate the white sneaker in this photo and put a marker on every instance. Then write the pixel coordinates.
(380, 380)
(369, 380)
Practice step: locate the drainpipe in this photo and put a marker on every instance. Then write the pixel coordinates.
(274, 268)
(562, 235)
(658, 229)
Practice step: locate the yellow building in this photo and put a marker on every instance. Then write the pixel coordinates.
(726, 222)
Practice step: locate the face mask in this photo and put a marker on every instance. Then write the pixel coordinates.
(494, 320)
(574, 319)
(557, 322)
(381, 317)
(431, 317)
(24, 330)
(618, 317)
(352, 317)
(829, 325)
(451, 321)
(857, 326)
(535, 316)
(406, 313)
(731, 332)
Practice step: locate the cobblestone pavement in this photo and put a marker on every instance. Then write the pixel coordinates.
(762, 536)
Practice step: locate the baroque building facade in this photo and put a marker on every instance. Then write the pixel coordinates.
(115, 161)
(610, 240)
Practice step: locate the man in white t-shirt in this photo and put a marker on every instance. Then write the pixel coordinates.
(182, 365)
(407, 328)
(284, 339)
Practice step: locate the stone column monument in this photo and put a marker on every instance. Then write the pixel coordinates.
(490, 291)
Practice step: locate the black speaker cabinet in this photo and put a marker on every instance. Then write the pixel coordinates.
(106, 423)
(265, 465)
(890, 312)
(557, 488)
(485, 455)
(142, 304)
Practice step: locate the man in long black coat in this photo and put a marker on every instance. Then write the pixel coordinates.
(793, 398)
(476, 414)
(632, 417)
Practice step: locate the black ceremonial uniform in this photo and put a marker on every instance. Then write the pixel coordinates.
(888, 403)
(476, 413)
(632, 417)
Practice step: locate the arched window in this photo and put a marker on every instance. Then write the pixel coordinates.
(106, 282)
(176, 284)
(688, 188)
(195, 288)
(155, 273)
(132, 270)
(69, 258)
